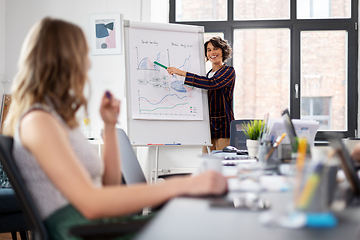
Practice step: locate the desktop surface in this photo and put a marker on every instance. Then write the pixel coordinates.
(193, 218)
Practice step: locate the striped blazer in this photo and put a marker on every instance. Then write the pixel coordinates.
(220, 93)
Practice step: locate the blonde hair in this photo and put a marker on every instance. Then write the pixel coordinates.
(53, 68)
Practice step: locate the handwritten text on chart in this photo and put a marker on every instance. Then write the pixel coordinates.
(181, 45)
(149, 42)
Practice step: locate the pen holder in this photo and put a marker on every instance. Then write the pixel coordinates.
(316, 189)
(285, 152)
(267, 154)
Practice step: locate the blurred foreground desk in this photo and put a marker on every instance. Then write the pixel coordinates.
(191, 218)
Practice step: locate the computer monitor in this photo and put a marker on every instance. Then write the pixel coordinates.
(303, 128)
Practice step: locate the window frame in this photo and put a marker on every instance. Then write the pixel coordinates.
(296, 26)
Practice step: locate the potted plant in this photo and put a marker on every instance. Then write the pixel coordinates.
(253, 130)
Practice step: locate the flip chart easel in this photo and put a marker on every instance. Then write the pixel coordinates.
(171, 116)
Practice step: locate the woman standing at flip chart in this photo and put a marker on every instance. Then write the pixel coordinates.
(219, 82)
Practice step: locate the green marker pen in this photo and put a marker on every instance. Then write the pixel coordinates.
(160, 64)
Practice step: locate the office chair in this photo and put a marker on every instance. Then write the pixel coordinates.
(30, 211)
(237, 135)
(131, 169)
(32, 216)
(11, 216)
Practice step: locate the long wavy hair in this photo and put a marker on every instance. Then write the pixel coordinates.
(53, 67)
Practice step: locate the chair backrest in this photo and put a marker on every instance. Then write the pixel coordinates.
(237, 135)
(131, 169)
(26, 201)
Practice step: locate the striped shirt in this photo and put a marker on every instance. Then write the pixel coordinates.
(220, 93)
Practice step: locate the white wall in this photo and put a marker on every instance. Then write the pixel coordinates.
(2, 47)
(358, 123)
(160, 11)
(107, 72)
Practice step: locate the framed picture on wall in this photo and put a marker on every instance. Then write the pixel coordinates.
(106, 31)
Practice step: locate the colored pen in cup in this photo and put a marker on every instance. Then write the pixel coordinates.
(276, 144)
(108, 95)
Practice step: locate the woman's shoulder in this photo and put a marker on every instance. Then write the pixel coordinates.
(228, 70)
(37, 116)
(226, 67)
(37, 124)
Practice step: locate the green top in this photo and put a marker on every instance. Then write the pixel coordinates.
(60, 222)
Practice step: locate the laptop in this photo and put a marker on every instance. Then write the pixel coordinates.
(347, 163)
(131, 169)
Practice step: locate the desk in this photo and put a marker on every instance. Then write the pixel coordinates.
(191, 218)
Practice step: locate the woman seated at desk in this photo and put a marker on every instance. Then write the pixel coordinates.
(70, 184)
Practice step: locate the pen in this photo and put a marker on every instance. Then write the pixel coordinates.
(266, 119)
(166, 144)
(300, 161)
(276, 144)
(108, 95)
(160, 64)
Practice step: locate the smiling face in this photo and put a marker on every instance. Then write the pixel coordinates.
(214, 54)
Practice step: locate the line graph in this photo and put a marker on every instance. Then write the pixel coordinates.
(146, 63)
(156, 95)
(186, 65)
(150, 110)
(165, 105)
(156, 103)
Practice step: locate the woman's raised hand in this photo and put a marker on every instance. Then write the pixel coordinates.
(109, 109)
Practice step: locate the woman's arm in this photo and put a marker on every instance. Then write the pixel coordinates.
(109, 111)
(56, 157)
(222, 78)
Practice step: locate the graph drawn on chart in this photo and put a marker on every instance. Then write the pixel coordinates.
(155, 94)
(146, 63)
(166, 105)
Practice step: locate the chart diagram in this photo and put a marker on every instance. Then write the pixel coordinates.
(155, 94)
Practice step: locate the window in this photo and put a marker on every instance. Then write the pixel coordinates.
(323, 78)
(319, 109)
(261, 9)
(262, 63)
(201, 10)
(296, 54)
(323, 9)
